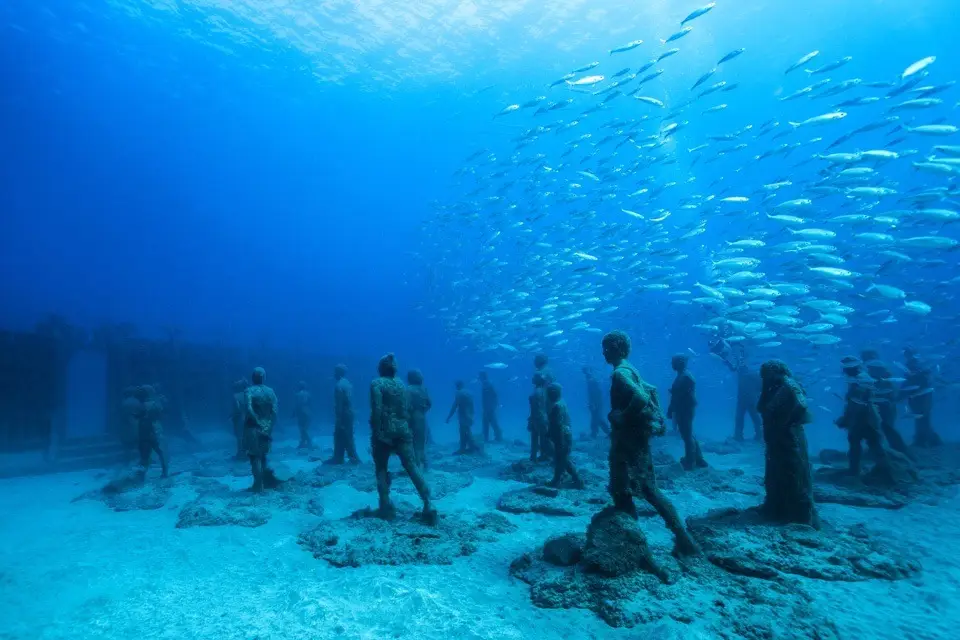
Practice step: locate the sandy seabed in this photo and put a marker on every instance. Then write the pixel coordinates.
(77, 569)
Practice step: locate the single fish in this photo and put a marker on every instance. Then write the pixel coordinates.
(627, 47)
(802, 61)
(917, 67)
(730, 56)
(698, 12)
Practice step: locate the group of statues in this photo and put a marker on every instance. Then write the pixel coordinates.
(398, 426)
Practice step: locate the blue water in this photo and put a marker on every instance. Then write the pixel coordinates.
(247, 174)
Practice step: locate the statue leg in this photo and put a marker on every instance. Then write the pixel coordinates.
(855, 454)
(404, 451)
(256, 468)
(497, 433)
(683, 541)
(381, 460)
(738, 419)
(349, 444)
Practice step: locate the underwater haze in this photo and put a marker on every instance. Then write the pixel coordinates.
(467, 184)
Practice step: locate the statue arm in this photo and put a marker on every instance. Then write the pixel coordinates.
(453, 409)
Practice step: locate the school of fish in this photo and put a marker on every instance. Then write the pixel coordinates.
(833, 217)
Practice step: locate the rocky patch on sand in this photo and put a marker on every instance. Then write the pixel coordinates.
(366, 539)
(612, 571)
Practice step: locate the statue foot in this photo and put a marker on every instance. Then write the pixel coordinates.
(387, 512)
(430, 516)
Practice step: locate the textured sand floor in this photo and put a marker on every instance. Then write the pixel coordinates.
(79, 570)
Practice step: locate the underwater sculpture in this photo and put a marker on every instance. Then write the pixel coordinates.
(418, 404)
(537, 423)
(885, 398)
(595, 404)
(238, 414)
(302, 414)
(261, 416)
(860, 418)
(748, 386)
(541, 365)
(149, 430)
(344, 443)
(560, 433)
(683, 405)
(787, 476)
(390, 434)
(920, 399)
(489, 404)
(463, 407)
(635, 417)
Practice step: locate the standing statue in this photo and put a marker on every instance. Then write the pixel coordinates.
(918, 389)
(787, 473)
(595, 404)
(885, 397)
(149, 429)
(418, 402)
(537, 423)
(238, 415)
(463, 407)
(748, 387)
(490, 404)
(390, 434)
(860, 418)
(541, 365)
(562, 437)
(261, 416)
(683, 405)
(635, 417)
(343, 436)
(301, 412)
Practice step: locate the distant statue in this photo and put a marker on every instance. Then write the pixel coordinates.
(463, 407)
(260, 418)
(150, 431)
(918, 389)
(598, 422)
(418, 403)
(562, 436)
(787, 476)
(683, 405)
(490, 405)
(344, 443)
(302, 413)
(390, 434)
(537, 423)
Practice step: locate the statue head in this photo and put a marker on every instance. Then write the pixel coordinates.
(540, 360)
(458, 384)
(259, 375)
(414, 376)
(616, 347)
(340, 371)
(387, 367)
(851, 365)
(679, 362)
(774, 370)
(144, 392)
(554, 391)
